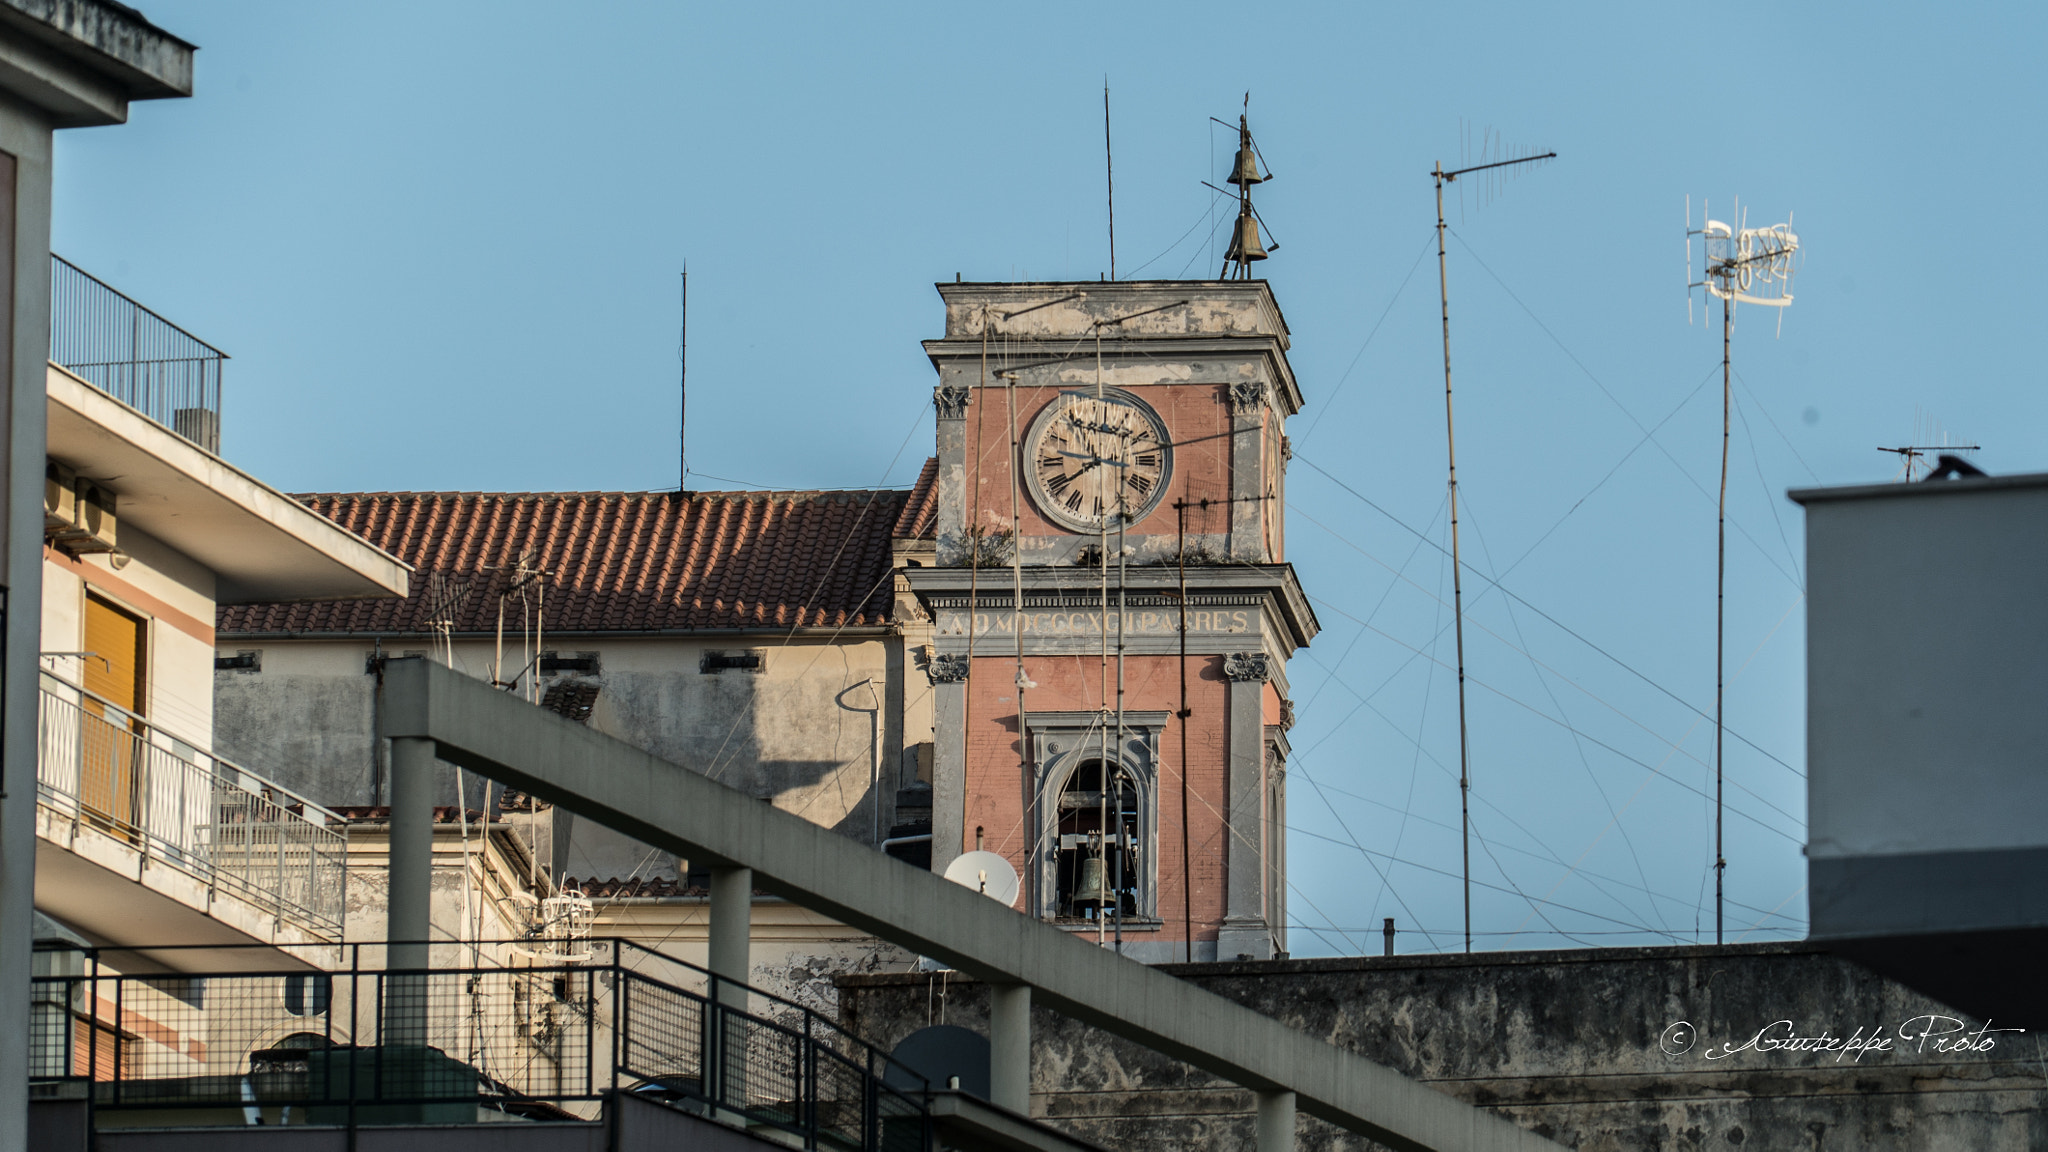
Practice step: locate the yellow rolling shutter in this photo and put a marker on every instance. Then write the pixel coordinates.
(117, 638)
(109, 748)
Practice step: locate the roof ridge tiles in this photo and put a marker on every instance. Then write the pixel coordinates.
(619, 561)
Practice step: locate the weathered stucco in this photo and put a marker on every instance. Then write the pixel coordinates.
(824, 730)
(1579, 1046)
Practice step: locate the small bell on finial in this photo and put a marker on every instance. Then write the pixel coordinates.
(1246, 170)
(1244, 240)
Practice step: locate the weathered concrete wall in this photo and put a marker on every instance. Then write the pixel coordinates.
(806, 731)
(305, 718)
(1600, 1050)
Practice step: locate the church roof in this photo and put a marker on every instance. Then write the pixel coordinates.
(617, 561)
(920, 517)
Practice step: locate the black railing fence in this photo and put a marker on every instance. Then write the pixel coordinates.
(548, 1039)
(134, 355)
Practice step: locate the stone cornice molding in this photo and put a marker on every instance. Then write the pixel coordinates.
(1028, 354)
(1273, 586)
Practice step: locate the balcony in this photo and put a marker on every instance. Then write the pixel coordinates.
(134, 355)
(143, 833)
(462, 1044)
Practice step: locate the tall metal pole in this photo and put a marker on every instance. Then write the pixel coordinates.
(1030, 786)
(1187, 873)
(1457, 581)
(1102, 558)
(1720, 605)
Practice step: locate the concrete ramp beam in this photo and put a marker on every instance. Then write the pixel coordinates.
(665, 806)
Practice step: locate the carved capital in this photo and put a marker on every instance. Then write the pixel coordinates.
(951, 400)
(1242, 666)
(1286, 715)
(1247, 396)
(947, 669)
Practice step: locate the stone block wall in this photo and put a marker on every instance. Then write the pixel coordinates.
(1600, 1050)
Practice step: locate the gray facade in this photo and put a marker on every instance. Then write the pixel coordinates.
(803, 729)
(1927, 734)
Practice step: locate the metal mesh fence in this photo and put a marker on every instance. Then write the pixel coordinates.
(454, 1045)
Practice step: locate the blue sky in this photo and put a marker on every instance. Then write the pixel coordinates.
(441, 242)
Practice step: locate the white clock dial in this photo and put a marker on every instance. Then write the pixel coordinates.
(1097, 461)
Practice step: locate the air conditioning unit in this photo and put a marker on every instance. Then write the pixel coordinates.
(60, 498)
(96, 524)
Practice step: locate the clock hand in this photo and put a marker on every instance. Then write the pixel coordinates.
(1094, 460)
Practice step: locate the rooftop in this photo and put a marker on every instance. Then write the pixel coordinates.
(618, 561)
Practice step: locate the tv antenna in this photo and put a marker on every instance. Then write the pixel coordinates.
(526, 573)
(1245, 246)
(1742, 266)
(1925, 429)
(1451, 442)
(446, 594)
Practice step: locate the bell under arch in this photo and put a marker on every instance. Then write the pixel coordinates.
(1098, 820)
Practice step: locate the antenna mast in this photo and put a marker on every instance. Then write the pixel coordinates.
(1457, 582)
(1109, 172)
(1749, 266)
(1924, 429)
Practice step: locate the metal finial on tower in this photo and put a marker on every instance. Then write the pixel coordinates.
(1245, 171)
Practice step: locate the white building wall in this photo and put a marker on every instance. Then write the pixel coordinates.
(168, 590)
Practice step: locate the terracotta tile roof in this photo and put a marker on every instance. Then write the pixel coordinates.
(617, 561)
(642, 887)
(572, 699)
(920, 517)
(381, 813)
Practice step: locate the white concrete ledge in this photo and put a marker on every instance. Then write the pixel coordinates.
(262, 545)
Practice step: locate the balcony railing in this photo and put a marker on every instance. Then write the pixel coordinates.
(241, 834)
(134, 355)
(460, 1044)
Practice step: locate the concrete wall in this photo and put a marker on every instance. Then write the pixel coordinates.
(1927, 730)
(802, 732)
(1603, 1051)
(1927, 736)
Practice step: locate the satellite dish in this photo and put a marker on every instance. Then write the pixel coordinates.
(946, 1056)
(986, 873)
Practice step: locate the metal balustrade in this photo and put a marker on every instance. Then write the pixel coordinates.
(461, 1044)
(134, 355)
(103, 768)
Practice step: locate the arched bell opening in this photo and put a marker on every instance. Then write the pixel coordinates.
(1098, 869)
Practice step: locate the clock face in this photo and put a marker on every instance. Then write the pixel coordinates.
(1097, 462)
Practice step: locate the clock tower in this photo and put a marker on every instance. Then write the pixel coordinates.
(1111, 608)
